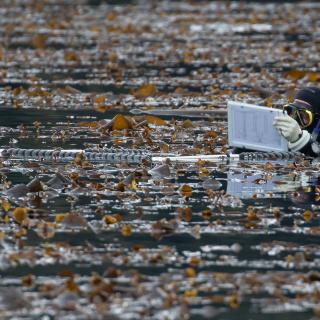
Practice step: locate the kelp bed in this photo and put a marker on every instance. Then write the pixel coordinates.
(92, 240)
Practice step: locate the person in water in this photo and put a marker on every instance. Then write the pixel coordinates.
(300, 125)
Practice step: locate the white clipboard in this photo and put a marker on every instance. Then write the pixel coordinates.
(251, 127)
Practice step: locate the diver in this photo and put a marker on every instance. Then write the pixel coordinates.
(300, 125)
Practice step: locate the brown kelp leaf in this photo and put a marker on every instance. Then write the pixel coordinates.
(39, 41)
(109, 219)
(296, 74)
(307, 215)
(164, 226)
(89, 124)
(74, 220)
(5, 205)
(252, 216)
(20, 214)
(186, 190)
(206, 214)
(45, 230)
(155, 120)
(35, 185)
(126, 230)
(120, 122)
(146, 91)
(71, 56)
(60, 217)
(187, 124)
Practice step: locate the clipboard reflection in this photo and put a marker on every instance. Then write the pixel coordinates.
(245, 186)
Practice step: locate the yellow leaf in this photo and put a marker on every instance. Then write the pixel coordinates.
(195, 261)
(90, 124)
(109, 219)
(296, 74)
(186, 190)
(6, 205)
(203, 172)
(20, 214)
(155, 120)
(234, 301)
(126, 230)
(60, 217)
(192, 293)
(307, 215)
(190, 272)
(100, 99)
(146, 91)
(133, 185)
(120, 122)
(313, 76)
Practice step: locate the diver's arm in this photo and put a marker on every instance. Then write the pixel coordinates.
(298, 140)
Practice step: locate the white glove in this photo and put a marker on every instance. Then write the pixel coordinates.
(288, 127)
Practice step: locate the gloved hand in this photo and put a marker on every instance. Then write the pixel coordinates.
(288, 127)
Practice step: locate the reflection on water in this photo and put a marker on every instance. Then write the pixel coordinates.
(82, 240)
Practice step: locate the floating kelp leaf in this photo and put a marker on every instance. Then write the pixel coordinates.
(126, 230)
(203, 172)
(45, 230)
(119, 122)
(35, 185)
(307, 215)
(146, 91)
(196, 231)
(212, 184)
(39, 41)
(17, 191)
(161, 171)
(234, 301)
(74, 220)
(164, 227)
(186, 190)
(5, 205)
(60, 217)
(190, 272)
(252, 216)
(28, 281)
(20, 214)
(155, 120)
(206, 214)
(296, 74)
(58, 181)
(89, 124)
(109, 219)
(187, 124)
